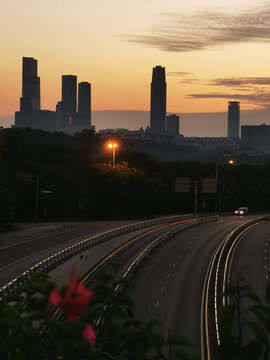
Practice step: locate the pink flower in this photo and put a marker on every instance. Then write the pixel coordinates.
(75, 300)
(89, 334)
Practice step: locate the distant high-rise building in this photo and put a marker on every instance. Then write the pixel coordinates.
(84, 105)
(30, 100)
(233, 119)
(31, 82)
(158, 100)
(257, 136)
(173, 125)
(69, 100)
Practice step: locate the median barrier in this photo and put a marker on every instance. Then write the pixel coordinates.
(81, 255)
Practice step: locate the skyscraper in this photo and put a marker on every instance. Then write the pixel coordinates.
(69, 100)
(84, 104)
(30, 100)
(31, 82)
(158, 101)
(233, 119)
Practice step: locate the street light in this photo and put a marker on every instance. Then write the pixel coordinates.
(113, 147)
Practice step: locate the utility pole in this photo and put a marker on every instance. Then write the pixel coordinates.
(195, 197)
(216, 200)
(37, 194)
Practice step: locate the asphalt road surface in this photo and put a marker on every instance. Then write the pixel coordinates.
(169, 284)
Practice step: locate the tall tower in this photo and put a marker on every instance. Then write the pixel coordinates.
(158, 100)
(233, 119)
(84, 104)
(69, 100)
(30, 100)
(31, 82)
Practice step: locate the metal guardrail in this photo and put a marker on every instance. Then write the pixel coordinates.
(62, 256)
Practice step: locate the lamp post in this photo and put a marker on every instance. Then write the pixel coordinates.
(113, 146)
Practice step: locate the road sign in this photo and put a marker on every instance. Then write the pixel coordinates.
(182, 184)
(27, 178)
(209, 186)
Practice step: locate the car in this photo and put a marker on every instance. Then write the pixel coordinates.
(241, 211)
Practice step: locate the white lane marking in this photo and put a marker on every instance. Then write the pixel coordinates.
(173, 265)
(162, 288)
(157, 303)
(191, 242)
(168, 275)
(265, 258)
(266, 276)
(265, 266)
(266, 244)
(179, 255)
(185, 248)
(265, 250)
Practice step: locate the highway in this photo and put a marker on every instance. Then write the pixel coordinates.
(18, 255)
(251, 259)
(169, 283)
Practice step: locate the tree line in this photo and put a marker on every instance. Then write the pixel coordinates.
(76, 180)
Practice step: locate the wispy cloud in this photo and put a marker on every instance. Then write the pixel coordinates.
(261, 97)
(241, 82)
(178, 73)
(182, 33)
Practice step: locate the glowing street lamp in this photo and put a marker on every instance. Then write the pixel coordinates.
(231, 162)
(113, 147)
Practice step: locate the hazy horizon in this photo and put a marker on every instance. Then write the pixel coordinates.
(191, 124)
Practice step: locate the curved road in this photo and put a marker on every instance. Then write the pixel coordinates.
(169, 284)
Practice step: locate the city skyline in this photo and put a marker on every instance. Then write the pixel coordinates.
(114, 45)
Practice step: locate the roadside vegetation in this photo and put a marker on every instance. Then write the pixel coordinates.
(99, 324)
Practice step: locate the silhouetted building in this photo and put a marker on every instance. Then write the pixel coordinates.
(69, 100)
(31, 82)
(84, 105)
(45, 120)
(257, 136)
(30, 100)
(173, 125)
(233, 119)
(158, 100)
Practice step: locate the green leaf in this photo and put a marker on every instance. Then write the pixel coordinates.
(251, 295)
(179, 339)
(258, 330)
(267, 294)
(251, 351)
(126, 300)
(259, 311)
(184, 355)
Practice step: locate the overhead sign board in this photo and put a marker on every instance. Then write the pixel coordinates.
(182, 184)
(209, 186)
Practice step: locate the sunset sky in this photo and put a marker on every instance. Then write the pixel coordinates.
(213, 51)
